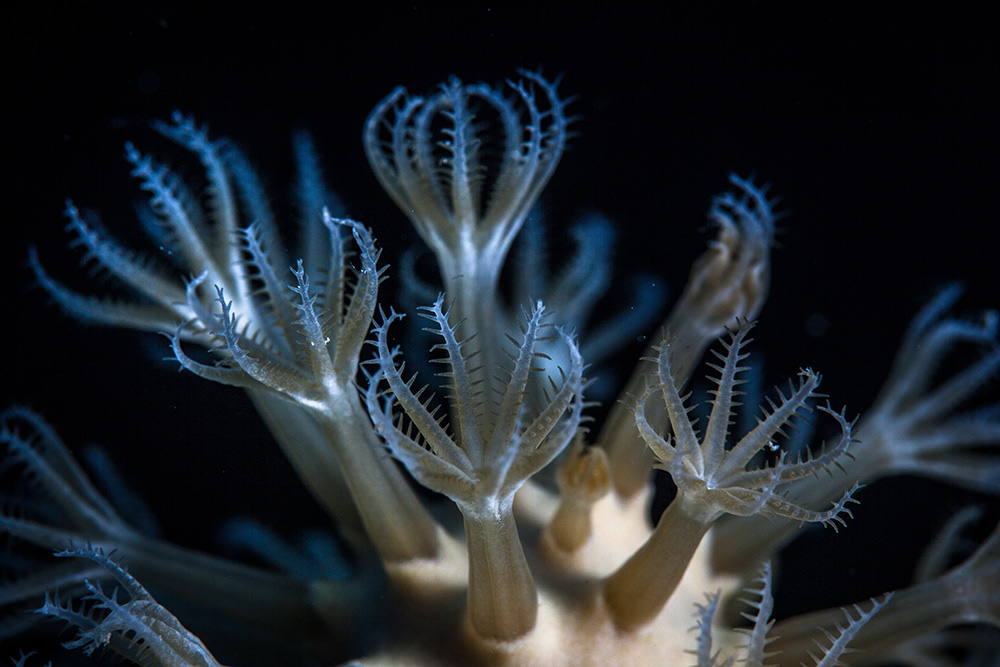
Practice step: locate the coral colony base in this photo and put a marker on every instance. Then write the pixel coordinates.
(551, 558)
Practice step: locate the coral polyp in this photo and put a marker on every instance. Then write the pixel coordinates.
(488, 518)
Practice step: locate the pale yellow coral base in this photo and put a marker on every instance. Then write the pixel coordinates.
(574, 629)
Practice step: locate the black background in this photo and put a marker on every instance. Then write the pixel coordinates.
(876, 128)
